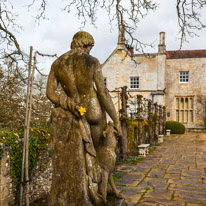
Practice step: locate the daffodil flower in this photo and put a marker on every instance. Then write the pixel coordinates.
(82, 110)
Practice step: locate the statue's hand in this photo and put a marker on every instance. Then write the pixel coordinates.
(118, 128)
(73, 107)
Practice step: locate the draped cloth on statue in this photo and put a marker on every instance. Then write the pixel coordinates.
(72, 140)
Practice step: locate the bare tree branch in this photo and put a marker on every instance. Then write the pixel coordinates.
(189, 18)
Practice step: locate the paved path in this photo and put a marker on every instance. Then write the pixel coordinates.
(173, 175)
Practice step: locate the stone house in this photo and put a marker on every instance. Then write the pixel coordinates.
(176, 79)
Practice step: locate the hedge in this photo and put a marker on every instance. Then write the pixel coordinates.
(175, 127)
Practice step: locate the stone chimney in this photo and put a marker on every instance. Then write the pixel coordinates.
(161, 46)
(121, 37)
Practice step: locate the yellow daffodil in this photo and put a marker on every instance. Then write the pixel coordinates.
(82, 110)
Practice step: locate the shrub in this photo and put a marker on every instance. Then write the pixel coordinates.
(175, 127)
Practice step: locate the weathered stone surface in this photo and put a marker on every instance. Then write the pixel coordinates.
(192, 194)
(168, 161)
(160, 193)
(142, 169)
(172, 176)
(69, 173)
(189, 188)
(162, 202)
(132, 194)
(182, 184)
(173, 171)
(157, 173)
(129, 179)
(125, 168)
(153, 184)
(84, 151)
(163, 166)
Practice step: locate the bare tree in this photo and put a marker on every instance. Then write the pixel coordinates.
(120, 12)
(129, 13)
(189, 18)
(8, 26)
(12, 96)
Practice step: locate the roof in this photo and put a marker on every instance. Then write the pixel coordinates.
(185, 54)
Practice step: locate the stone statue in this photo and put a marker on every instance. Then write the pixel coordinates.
(106, 159)
(76, 84)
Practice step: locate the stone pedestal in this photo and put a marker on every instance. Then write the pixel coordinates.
(168, 132)
(160, 138)
(143, 149)
(69, 181)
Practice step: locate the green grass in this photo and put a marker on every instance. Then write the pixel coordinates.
(130, 160)
(147, 188)
(151, 149)
(117, 175)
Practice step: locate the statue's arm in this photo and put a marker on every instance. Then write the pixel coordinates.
(104, 96)
(52, 84)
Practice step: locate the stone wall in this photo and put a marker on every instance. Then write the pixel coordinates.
(41, 178)
(159, 80)
(120, 67)
(5, 181)
(150, 69)
(196, 88)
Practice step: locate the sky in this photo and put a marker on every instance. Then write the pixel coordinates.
(54, 34)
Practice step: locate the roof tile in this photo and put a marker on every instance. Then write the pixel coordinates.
(185, 54)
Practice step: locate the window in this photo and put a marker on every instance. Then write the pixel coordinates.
(184, 77)
(134, 82)
(105, 81)
(132, 110)
(184, 109)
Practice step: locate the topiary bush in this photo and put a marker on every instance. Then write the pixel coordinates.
(175, 127)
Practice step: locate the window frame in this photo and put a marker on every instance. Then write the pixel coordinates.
(133, 81)
(183, 109)
(184, 77)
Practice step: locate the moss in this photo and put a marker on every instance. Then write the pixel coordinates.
(147, 188)
(175, 127)
(1, 152)
(155, 117)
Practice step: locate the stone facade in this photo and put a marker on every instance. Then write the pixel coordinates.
(196, 88)
(159, 79)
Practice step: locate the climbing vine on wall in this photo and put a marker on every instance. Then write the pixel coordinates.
(132, 133)
(13, 141)
(1, 152)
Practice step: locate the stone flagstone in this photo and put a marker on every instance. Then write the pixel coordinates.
(173, 175)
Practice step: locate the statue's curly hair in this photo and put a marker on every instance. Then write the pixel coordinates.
(82, 39)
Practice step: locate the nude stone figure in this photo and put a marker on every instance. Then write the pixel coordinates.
(78, 139)
(77, 72)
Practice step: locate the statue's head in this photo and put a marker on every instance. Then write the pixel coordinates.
(82, 40)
